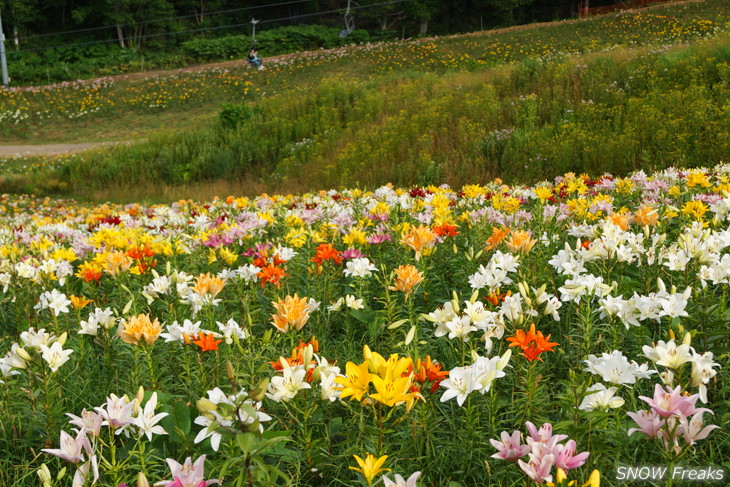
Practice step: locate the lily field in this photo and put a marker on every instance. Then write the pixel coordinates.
(490, 334)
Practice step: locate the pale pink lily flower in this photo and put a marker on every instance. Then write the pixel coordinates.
(188, 474)
(178, 483)
(566, 457)
(671, 402)
(509, 448)
(400, 482)
(118, 412)
(82, 472)
(71, 448)
(538, 469)
(692, 429)
(541, 441)
(649, 422)
(88, 420)
(544, 434)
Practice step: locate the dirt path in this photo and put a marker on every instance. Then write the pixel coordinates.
(49, 149)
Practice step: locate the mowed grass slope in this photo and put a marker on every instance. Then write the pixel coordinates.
(645, 89)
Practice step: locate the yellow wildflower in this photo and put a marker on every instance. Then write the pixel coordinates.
(697, 178)
(64, 253)
(228, 256)
(356, 237)
(296, 237)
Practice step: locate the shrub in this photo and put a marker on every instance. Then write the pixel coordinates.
(234, 115)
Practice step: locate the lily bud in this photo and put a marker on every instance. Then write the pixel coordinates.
(45, 475)
(62, 339)
(455, 302)
(504, 360)
(307, 355)
(667, 377)
(260, 391)
(687, 338)
(230, 372)
(135, 407)
(411, 334)
(142, 480)
(22, 353)
(205, 405)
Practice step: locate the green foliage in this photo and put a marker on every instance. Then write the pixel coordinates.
(271, 42)
(234, 115)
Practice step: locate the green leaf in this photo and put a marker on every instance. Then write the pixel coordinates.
(247, 442)
(363, 315)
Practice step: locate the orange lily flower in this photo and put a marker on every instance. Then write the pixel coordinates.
(446, 229)
(498, 234)
(272, 274)
(207, 342)
(326, 252)
(532, 343)
(79, 302)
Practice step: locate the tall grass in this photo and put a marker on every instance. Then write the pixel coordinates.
(614, 112)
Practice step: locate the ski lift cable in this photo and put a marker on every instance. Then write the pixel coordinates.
(145, 22)
(164, 34)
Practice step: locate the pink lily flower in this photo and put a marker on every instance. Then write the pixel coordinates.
(539, 468)
(509, 448)
(71, 449)
(544, 434)
(692, 429)
(671, 402)
(566, 457)
(118, 412)
(542, 441)
(188, 474)
(88, 420)
(178, 483)
(649, 422)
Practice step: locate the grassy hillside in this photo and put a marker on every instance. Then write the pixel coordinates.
(644, 89)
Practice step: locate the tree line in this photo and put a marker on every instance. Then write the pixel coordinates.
(132, 23)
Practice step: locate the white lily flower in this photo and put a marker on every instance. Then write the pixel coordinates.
(147, 420)
(601, 398)
(55, 355)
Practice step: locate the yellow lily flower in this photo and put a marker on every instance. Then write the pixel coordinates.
(357, 381)
(370, 467)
